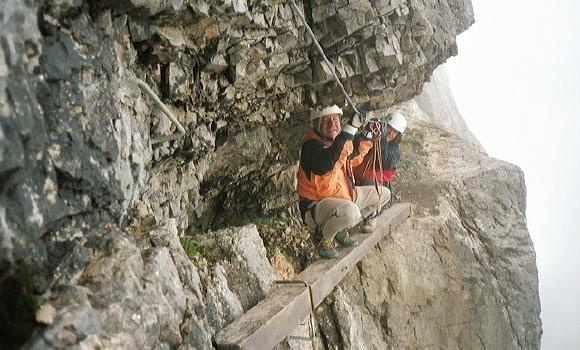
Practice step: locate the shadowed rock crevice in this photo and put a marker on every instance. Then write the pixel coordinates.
(17, 309)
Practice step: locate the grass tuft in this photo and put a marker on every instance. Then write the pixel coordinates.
(196, 252)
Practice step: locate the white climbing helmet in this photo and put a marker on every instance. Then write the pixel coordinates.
(334, 109)
(397, 121)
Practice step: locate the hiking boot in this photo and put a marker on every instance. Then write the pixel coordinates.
(344, 240)
(327, 250)
(369, 225)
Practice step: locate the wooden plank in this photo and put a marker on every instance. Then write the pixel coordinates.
(324, 275)
(275, 317)
(269, 322)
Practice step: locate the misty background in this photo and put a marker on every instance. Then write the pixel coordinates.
(516, 82)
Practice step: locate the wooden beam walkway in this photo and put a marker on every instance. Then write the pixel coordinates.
(288, 304)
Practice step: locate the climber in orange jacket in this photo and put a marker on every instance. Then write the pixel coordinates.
(329, 201)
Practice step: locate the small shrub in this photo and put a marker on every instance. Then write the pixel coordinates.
(191, 248)
(195, 251)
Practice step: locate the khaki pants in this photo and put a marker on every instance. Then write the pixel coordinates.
(333, 215)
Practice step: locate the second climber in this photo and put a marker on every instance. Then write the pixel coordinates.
(374, 171)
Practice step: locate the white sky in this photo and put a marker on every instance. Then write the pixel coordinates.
(516, 81)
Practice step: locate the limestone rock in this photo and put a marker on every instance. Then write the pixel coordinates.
(132, 294)
(357, 329)
(249, 273)
(148, 7)
(95, 212)
(45, 314)
(223, 306)
(436, 100)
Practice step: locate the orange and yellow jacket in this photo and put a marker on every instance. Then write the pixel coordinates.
(325, 169)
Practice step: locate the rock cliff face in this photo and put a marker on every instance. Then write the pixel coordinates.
(437, 101)
(94, 217)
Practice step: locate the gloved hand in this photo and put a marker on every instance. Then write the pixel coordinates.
(358, 119)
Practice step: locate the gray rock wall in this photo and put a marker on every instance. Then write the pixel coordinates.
(92, 212)
(80, 132)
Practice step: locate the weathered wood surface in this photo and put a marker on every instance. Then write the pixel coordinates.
(324, 275)
(269, 322)
(275, 317)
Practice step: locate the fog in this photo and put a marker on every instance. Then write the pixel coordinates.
(516, 81)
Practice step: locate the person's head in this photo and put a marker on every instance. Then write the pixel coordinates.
(327, 122)
(396, 125)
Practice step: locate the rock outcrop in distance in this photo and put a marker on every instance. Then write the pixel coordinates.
(437, 102)
(110, 241)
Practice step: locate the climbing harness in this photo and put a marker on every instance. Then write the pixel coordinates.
(180, 130)
(328, 63)
(312, 210)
